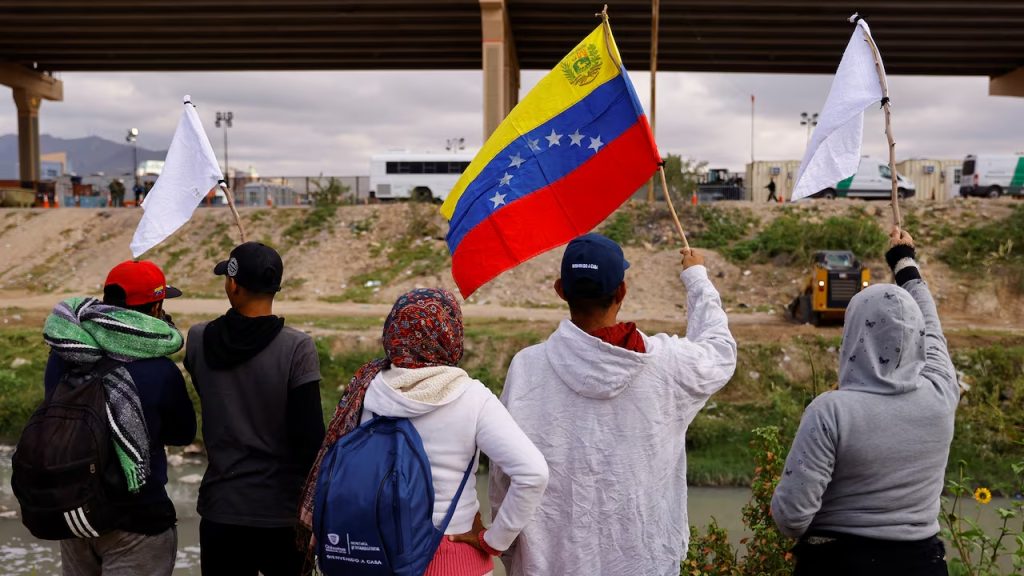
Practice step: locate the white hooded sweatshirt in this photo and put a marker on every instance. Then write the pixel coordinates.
(454, 415)
(611, 424)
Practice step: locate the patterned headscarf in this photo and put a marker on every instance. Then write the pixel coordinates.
(423, 329)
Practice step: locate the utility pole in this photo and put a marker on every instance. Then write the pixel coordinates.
(132, 138)
(225, 119)
(751, 131)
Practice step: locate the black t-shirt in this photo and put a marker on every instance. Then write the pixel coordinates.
(170, 420)
(255, 474)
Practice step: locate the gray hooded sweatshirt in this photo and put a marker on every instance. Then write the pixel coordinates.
(869, 459)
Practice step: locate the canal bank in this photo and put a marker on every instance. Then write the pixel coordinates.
(21, 554)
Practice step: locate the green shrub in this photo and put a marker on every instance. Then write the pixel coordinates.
(796, 239)
(621, 227)
(21, 388)
(996, 248)
(767, 550)
(721, 227)
(326, 199)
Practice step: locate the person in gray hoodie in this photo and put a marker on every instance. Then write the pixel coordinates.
(861, 485)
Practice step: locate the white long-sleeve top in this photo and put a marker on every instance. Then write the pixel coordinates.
(454, 416)
(612, 425)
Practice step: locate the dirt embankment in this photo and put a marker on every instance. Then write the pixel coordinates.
(371, 254)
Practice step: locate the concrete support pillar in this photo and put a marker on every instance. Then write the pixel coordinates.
(28, 103)
(30, 89)
(1009, 84)
(500, 66)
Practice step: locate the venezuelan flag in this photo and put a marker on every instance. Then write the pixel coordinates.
(565, 158)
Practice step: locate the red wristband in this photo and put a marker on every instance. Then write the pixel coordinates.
(483, 544)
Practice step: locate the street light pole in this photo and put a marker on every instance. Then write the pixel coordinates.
(225, 118)
(809, 120)
(132, 138)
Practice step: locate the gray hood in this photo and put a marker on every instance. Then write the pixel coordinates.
(590, 366)
(883, 342)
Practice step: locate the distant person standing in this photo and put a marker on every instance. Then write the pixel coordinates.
(259, 384)
(771, 191)
(116, 193)
(139, 192)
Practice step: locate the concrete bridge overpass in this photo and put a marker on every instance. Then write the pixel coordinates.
(499, 37)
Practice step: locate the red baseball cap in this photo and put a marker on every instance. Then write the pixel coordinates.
(142, 281)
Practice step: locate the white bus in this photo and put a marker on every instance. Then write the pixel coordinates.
(992, 176)
(419, 176)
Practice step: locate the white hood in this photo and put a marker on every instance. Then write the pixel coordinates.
(411, 392)
(590, 366)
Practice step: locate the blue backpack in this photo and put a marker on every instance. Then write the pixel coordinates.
(374, 503)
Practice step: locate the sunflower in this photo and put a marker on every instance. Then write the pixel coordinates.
(983, 495)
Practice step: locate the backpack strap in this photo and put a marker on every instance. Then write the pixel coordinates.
(455, 500)
(72, 379)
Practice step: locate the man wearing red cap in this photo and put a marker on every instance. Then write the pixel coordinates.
(148, 407)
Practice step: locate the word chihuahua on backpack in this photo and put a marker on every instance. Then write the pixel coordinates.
(375, 501)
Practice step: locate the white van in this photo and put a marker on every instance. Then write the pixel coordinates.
(872, 180)
(992, 176)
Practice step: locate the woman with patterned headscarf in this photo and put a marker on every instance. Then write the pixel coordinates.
(454, 414)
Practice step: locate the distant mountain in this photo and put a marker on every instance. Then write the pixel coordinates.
(85, 155)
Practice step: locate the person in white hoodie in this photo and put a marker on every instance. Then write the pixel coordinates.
(608, 406)
(454, 414)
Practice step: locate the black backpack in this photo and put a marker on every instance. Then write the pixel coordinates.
(65, 471)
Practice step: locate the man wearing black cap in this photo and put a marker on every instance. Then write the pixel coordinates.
(609, 406)
(259, 383)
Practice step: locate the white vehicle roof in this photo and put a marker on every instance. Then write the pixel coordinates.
(424, 156)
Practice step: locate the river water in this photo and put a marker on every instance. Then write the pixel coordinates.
(21, 554)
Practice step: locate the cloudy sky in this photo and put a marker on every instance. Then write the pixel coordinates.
(307, 123)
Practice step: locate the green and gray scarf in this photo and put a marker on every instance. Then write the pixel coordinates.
(82, 331)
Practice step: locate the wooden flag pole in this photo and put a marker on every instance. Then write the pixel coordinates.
(234, 211)
(672, 208)
(655, 13)
(603, 14)
(897, 220)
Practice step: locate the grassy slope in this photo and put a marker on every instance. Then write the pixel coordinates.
(767, 389)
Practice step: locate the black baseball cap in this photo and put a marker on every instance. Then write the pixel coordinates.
(254, 266)
(595, 258)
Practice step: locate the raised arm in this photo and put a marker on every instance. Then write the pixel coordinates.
(707, 357)
(939, 369)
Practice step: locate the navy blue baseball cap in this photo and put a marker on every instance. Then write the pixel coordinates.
(595, 258)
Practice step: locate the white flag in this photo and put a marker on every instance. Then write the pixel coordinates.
(190, 172)
(834, 152)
